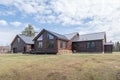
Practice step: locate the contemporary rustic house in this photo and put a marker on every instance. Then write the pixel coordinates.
(22, 44)
(50, 42)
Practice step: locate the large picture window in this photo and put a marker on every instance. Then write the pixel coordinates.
(50, 41)
(49, 36)
(40, 42)
(90, 44)
(50, 44)
(40, 38)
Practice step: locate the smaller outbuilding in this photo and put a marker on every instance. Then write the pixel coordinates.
(108, 47)
(22, 44)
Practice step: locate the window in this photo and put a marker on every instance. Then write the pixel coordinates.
(40, 44)
(90, 44)
(50, 36)
(18, 39)
(41, 37)
(50, 41)
(66, 44)
(50, 44)
(61, 44)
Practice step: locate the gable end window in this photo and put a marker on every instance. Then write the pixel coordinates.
(40, 38)
(49, 36)
(90, 45)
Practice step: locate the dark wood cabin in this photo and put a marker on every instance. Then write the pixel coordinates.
(22, 44)
(48, 42)
(88, 46)
(91, 43)
(51, 42)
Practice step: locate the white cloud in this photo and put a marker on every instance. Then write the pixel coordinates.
(16, 23)
(3, 23)
(105, 14)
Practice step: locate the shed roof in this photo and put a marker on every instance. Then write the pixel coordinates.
(108, 43)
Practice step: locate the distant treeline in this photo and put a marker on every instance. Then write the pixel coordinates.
(116, 47)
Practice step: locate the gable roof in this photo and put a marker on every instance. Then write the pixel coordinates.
(92, 36)
(71, 35)
(26, 39)
(60, 36)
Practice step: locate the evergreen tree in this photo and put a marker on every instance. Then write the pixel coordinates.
(116, 46)
(29, 31)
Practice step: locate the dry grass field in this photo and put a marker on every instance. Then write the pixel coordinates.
(60, 67)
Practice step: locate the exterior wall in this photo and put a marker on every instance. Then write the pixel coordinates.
(70, 42)
(45, 49)
(18, 46)
(108, 48)
(29, 47)
(82, 46)
(65, 49)
(64, 44)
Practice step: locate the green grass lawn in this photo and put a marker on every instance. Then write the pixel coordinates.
(60, 67)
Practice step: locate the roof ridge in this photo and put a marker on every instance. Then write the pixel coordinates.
(70, 33)
(91, 33)
(57, 34)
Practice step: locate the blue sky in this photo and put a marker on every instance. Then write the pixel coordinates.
(62, 16)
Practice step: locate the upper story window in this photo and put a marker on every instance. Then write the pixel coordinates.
(61, 44)
(49, 36)
(18, 39)
(41, 37)
(90, 44)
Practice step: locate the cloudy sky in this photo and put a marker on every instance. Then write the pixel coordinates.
(62, 16)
